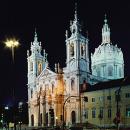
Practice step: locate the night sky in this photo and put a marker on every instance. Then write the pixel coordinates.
(51, 18)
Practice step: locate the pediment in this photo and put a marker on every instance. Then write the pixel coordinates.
(46, 73)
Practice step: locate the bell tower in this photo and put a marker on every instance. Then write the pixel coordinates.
(77, 56)
(36, 61)
(77, 65)
(77, 47)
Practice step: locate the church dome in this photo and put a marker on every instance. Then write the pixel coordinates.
(107, 52)
(107, 60)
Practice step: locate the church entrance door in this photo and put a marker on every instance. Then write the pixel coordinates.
(73, 115)
(32, 120)
(41, 119)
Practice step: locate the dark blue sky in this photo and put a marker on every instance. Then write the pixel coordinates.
(18, 18)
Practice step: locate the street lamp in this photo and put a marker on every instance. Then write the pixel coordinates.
(38, 102)
(20, 107)
(12, 43)
(118, 99)
(7, 117)
(117, 93)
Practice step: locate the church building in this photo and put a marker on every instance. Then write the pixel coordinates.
(55, 97)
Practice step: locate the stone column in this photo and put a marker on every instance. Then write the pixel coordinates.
(29, 115)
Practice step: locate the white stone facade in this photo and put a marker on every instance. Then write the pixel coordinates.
(48, 90)
(107, 60)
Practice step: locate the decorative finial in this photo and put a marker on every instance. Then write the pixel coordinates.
(47, 64)
(44, 53)
(40, 43)
(46, 57)
(66, 34)
(56, 68)
(70, 22)
(105, 36)
(35, 37)
(75, 12)
(105, 20)
(27, 53)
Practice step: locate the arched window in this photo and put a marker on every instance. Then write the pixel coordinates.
(72, 84)
(82, 50)
(46, 119)
(32, 120)
(71, 49)
(41, 119)
(73, 116)
(39, 68)
(100, 116)
(52, 87)
(84, 86)
(86, 113)
(110, 70)
(93, 112)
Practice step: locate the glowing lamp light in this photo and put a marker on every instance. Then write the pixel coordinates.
(12, 43)
(6, 108)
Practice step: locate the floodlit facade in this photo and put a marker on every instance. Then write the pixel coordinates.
(49, 92)
(107, 60)
(101, 108)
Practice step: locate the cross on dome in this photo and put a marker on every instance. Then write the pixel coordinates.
(35, 36)
(75, 15)
(105, 20)
(105, 32)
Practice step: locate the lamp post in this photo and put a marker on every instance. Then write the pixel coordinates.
(117, 93)
(44, 106)
(39, 102)
(6, 109)
(12, 43)
(20, 107)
